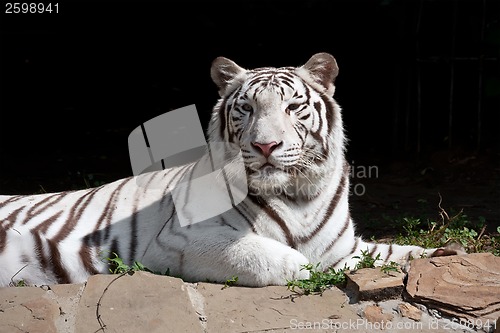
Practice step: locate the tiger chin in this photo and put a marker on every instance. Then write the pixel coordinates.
(288, 129)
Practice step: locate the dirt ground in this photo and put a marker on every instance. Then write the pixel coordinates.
(461, 181)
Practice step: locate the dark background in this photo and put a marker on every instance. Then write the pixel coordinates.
(419, 81)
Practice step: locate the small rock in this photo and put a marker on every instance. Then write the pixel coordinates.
(371, 284)
(421, 307)
(435, 313)
(374, 314)
(409, 311)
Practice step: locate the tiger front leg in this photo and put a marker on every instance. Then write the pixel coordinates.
(256, 261)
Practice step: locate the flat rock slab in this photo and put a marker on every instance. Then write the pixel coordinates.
(466, 287)
(27, 310)
(140, 303)
(372, 284)
(33, 309)
(274, 309)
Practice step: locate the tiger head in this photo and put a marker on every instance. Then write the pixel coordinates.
(284, 121)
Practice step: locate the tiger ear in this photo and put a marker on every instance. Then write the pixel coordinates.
(224, 73)
(322, 69)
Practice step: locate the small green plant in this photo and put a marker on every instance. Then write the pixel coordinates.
(450, 228)
(366, 260)
(230, 282)
(117, 266)
(464, 236)
(21, 283)
(416, 233)
(137, 266)
(18, 283)
(318, 280)
(496, 243)
(91, 180)
(390, 267)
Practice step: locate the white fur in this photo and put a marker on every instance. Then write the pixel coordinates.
(247, 241)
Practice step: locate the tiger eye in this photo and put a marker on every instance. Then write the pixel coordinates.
(292, 107)
(247, 107)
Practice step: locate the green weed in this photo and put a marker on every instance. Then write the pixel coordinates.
(18, 283)
(117, 266)
(390, 267)
(318, 280)
(366, 260)
(230, 282)
(454, 228)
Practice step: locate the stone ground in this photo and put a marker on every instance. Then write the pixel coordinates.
(143, 302)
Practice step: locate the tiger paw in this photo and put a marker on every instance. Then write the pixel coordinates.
(294, 267)
(276, 265)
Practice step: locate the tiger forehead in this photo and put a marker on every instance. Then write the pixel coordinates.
(269, 73)
(282, 81)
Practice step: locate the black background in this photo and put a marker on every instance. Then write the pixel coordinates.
(74, 84)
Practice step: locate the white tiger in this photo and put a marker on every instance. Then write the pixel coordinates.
(290, 133)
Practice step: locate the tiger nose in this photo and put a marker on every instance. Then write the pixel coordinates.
(266, 148)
